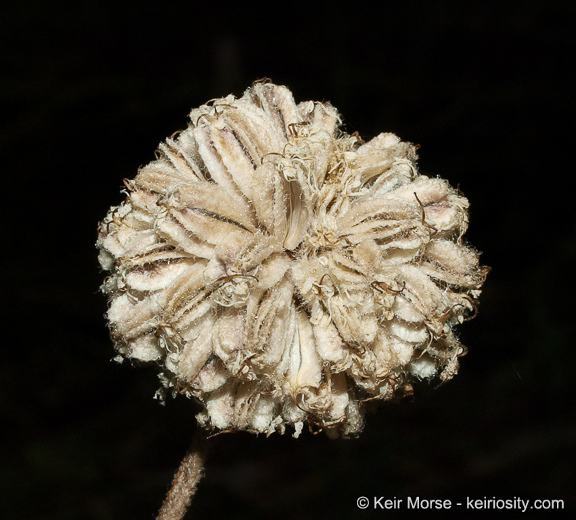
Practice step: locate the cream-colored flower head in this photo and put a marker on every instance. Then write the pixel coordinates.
(283, 272)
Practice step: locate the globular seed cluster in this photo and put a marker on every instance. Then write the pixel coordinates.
(283, 272)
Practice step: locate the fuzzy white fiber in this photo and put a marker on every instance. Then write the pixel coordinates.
(283, 272)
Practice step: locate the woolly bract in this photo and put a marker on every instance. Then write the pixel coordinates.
(283, 272)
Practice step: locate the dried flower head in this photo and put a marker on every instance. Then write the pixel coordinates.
(283, 272)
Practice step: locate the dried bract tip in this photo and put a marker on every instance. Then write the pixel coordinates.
(283, 272)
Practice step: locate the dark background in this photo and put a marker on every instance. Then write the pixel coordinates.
(87, 92)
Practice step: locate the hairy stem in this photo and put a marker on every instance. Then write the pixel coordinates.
(185, 481)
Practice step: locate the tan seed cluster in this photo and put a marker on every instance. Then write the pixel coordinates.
(283, 272)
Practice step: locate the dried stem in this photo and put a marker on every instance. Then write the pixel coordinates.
(185, 481)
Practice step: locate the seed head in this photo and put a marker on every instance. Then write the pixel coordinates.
(283, 272)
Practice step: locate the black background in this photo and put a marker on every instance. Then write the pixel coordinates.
(87, 92)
